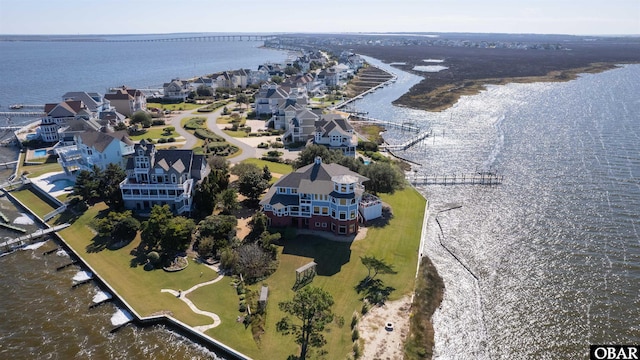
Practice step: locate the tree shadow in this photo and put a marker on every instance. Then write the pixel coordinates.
(383, 220)
(98, 243)
(328, 255)
(374, 290)
(139, 254)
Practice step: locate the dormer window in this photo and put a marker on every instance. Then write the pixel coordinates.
(174, 179)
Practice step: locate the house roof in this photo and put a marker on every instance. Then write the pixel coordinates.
(90, 100)
(100, 141)
(315, 178)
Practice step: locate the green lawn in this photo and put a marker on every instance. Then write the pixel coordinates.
(174, 107)
(33, 200)
(155, 132)
(41, 169)
(140, 288)
(339, 271)
(277, 168)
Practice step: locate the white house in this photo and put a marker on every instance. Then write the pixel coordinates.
(127, 101)
(335, 132)
(177, 89)
(95, 148)
(159, 177)
(58, 114)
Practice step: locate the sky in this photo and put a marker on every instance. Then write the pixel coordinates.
(575, 17)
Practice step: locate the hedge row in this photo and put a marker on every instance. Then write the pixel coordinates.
(195, 123)
(207, 134)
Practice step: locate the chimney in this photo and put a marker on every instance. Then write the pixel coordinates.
(318, 160)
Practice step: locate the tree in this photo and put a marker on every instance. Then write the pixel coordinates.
(309, 154)
(221, 228)
(177, 236)
(376, 265)
(258, 224)
(204, 91)
(383, 177)
(266, 173)
(242, 98)
(276, 79)
(243, 168)
(252, 185)
(86, 186)
(228, 201)
(253, 262)
(312, 306)
(208, 189)
(110, 186)
(156, 226)
(141, 117)
(117, 225)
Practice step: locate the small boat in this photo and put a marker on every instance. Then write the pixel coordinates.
(15, 107)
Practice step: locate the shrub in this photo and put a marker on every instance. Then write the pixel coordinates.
(277, 145)
(195, 123)
(263, 145)
(158, 122)
(355, 335)
(207, 134)
(171, 139)
(162, 141)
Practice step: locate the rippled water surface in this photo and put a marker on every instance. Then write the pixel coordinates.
(549, 261)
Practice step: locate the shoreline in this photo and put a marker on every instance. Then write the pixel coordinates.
(446, 96)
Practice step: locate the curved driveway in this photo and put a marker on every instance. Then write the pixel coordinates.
(248, 151)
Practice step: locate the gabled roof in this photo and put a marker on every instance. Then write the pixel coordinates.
(91, 101)
(100, 141)
(315, 178)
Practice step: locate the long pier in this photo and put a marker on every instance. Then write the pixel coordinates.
(12, 244)
(408, 143)
(401, 126)
(479, 178)
(160, 39)
(23, 113)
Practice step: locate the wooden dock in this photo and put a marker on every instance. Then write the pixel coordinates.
(478, 178)
(12, 244)
(401, 126)
(409, 143)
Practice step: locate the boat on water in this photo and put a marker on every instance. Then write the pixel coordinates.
(15, 107)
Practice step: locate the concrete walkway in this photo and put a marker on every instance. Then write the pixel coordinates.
(182, 295)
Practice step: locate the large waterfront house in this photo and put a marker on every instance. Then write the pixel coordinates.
(58, 114)
(335, 132)
(319, 196)
(159, 177)
(127, 101)
(295, 118)
(89, 148)
(177, 90)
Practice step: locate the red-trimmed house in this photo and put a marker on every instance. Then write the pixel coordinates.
(318, 196)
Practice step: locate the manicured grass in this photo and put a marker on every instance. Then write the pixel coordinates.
(174, 107)
(140, 288)
(277, 168)
(155, 132)
(38, 170)
(221, 298)
(340, 270)
(237, 134)
(33, 200)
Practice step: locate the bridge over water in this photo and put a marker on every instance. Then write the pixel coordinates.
(148, 39)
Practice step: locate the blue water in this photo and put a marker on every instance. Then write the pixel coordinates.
(555, 248)
(41, 72)
(41, 316)
(40, 153)
(61, 184)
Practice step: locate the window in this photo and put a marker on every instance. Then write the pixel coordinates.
(343, 201)
(342, 229)
(316, 210)
(324, 224)
(281, 190)
(333, 213)
(294, 191)
(317, 224)
(352, 215)
(325, 211)
(343, 215)
(352, 228)
(174, 179)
